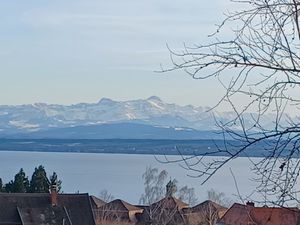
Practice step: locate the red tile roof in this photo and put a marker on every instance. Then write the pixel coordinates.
(248, 215)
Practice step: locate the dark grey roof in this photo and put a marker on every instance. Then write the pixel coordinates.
(44, 215)
(13, 206)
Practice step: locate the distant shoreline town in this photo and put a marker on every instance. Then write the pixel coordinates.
(123, 146)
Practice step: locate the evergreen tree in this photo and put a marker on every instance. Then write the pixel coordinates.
(21, 182)
(39, 182)
(1, 186)
(9, 187)
(55, 181)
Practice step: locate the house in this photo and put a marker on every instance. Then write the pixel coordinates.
(167, 211)
(117, 211)
(248, 214)
(206, 213)
(45, 208)
(173, 211)
(96, 202)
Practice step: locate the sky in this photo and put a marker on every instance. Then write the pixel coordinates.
(73, 51)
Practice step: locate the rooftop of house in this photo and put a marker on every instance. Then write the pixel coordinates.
(44, 215)
(206, 205)
(239, 214)
(119, 205)
(170, 202)
(37, 208)
(96, 202)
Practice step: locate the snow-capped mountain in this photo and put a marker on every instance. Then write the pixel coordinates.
(152, 111)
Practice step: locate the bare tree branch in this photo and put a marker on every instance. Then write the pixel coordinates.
(259, 64)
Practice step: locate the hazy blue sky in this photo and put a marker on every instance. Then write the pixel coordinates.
(82, 50)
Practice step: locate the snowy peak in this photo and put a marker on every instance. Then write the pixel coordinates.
(151, 111)
(106, 101)
(154, 98)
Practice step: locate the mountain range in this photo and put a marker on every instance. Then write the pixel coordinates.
(144, 118)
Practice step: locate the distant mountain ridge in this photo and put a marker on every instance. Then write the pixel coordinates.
(73, 121)
(119, 131)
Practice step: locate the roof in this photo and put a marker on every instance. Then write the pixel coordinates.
(119, 205)
(96, 202)
(14, 207)
(205, 213)
(208, 203)
(240, 214)
(57, 215)
(205, 205)
(170, 202)
(166, 211)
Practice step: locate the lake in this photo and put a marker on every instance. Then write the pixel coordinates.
(121, 174)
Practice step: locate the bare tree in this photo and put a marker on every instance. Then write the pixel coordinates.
(259, 68)
(116, 213)
(155, 212)
(187, 194)
(154, 183)
(106, 196)
(164, 212)
(107, 215)
(210, 215)
(219, 198)
(206, 216)
(205, 213)
(161, 206)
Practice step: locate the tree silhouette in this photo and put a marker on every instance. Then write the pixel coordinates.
(21, 182)
(258, 67)
(54, 181)
(39, 182)
(1, 186)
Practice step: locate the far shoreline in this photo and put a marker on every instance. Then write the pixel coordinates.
(154, 147)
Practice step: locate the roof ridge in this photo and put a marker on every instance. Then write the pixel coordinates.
(128, 206)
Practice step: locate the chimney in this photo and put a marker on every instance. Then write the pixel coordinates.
(251, 204)
(53, 195)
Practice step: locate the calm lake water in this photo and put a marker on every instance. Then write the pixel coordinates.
(120, 174)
